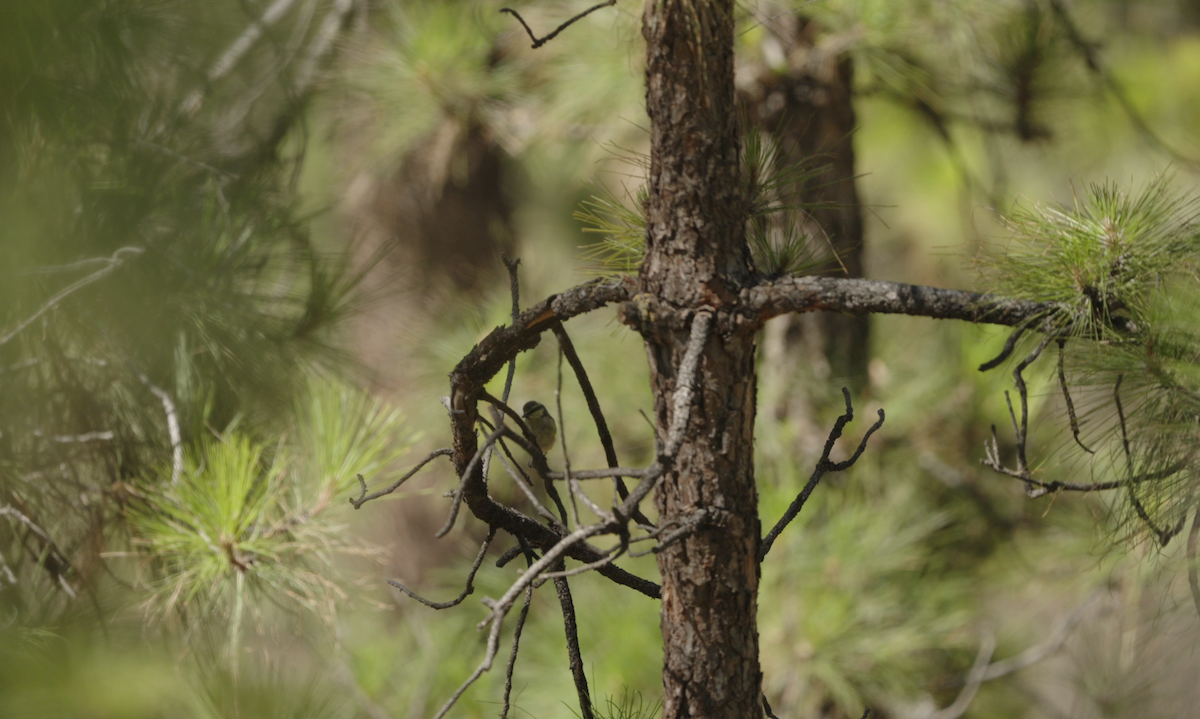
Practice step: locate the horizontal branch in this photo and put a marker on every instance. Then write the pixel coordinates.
(860, 296)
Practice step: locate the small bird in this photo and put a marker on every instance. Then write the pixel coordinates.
(541, 424)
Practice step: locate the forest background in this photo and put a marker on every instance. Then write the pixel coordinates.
(242, 245)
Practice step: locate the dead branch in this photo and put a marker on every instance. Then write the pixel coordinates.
(363, 497)
(112, 263)
(1062, 382)
(1009, 345)
(552, 557)
(470, 579)
(840, 294)
(542, 41)
(824, 465)
(593, 404)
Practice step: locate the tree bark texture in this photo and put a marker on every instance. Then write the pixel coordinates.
(697, 257)
(808, 108)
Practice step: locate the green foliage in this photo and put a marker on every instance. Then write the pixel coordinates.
(244, 523)
(630, 705)
(622, 229)
(847, 614)
(1105, 259)
(436, 61)
(159, 279)
(776, 227)
(1123, 266)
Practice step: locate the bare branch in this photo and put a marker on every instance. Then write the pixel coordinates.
(1062, 382)
(840, 294)
(589, 396)
(114, 262)
(603, 473)
(516, 643)
(823, 466)
(514, 291)
(1019, 379)
(685, 381)
(574, 655)
(363, 497)
(470, 579)
(519, 477)
(539, 42)
(1009, 345)
(500, 607)
(172, 426)
(457, 493)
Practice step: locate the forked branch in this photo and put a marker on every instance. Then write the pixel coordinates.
(824, 465)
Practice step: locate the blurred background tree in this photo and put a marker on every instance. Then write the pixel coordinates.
(210, 214)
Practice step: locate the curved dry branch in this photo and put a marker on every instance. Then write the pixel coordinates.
(470, 579)
(363, 497)
(823, 466)
(538, 42)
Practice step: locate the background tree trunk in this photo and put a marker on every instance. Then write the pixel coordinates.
(696, 257)
(807, 107)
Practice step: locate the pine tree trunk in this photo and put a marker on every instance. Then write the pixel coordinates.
(696, 257)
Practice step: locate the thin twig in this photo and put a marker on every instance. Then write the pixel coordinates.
(610, 556)
(1194, 572)
(457, 494)
(518, 475)
(1062, 382)
(522, 548)
(1009, 345)
(114, 262)
(589, 395)
(1055, 640)
(172, 426)
(1022, 390)
(470, 588)
(975, 679)
(363, 497)
(1163, 535)
(823, 466)
(242, 44)
(538, 43)
(574, 655)
(562, 439)
(514, 291)
(1092, 59)
(603, 474)
(322, 42)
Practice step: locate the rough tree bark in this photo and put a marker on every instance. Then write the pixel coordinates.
(696, 256)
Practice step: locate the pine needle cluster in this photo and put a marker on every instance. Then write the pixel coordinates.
(1123, 267)
(778, 229)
